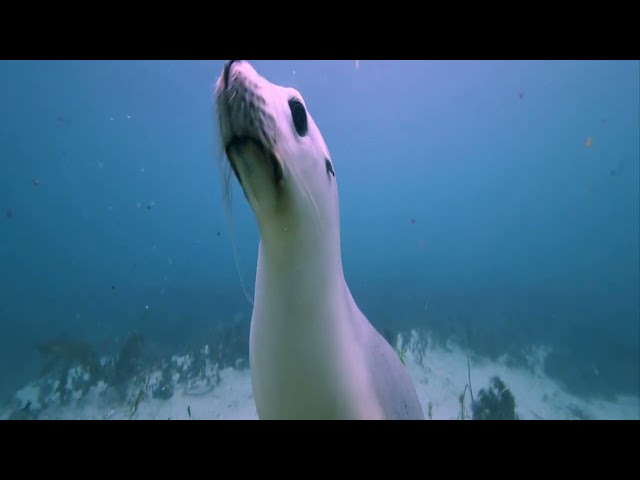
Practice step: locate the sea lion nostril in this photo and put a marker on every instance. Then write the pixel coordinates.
(227, 68)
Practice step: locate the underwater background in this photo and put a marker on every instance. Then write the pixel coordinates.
(491, 202)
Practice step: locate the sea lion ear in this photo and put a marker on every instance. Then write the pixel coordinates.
(329, 167)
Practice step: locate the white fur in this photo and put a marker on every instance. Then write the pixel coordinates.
(313, 354)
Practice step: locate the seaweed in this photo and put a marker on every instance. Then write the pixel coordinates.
(495, 403)
(164, 389)
(127, 363)
(421, 346)
(230, 347)
(463, 416)
(578, 412)
(139, 398)
(402, 353)
(64, 354)
(24, 413)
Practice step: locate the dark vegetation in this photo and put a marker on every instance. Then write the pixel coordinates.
(135, 372)
(496, 402)
(589, 360)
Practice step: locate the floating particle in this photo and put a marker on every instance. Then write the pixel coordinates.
(588, 143)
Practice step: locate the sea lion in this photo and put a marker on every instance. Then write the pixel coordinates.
(313, 354)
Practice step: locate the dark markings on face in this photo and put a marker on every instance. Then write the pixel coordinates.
(329, 167)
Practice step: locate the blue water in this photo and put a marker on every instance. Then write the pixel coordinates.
(471, 205)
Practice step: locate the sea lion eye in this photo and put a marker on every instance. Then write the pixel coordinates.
(299, 116)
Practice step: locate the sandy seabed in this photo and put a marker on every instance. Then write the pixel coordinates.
(439, 373)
